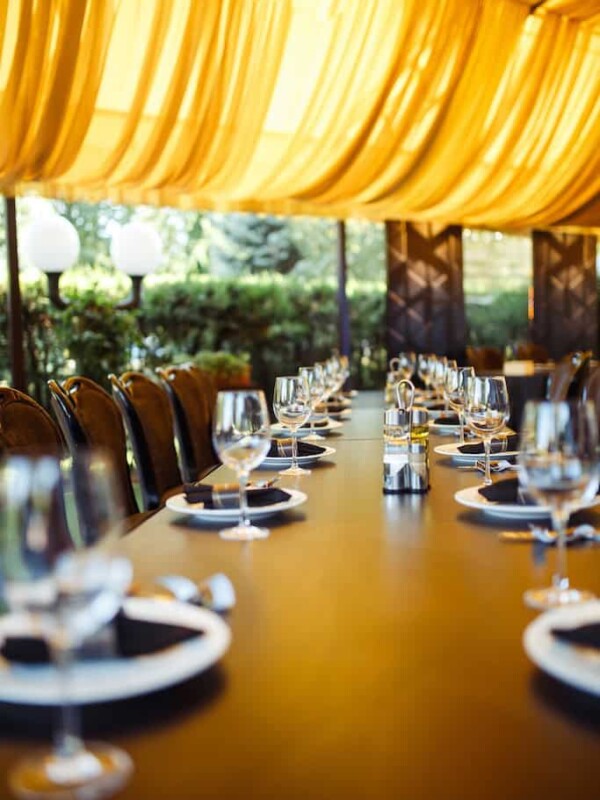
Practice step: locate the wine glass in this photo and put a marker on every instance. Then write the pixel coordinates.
(559, 468)
(316, 387)
(69, 589)
(438, 375)
(291, 404)
(242, 436)
(406, 365)
(425, 366)
(487, 410)
(455, 387)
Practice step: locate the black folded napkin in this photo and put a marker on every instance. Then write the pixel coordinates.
(319, 423)
(282, 448)
(447, 419)
(583, 636)
(227, 495)
(133, 637)
(507, 491)
(503, 445)
(431, 406)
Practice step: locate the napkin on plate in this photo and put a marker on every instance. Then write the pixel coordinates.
(506, 491)
(133, 637)
(502, 445)
(447, 419)
(282, 448)
(583, 635)
(227, 495)
(320, 423)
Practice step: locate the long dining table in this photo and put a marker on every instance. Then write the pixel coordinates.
(376, 653)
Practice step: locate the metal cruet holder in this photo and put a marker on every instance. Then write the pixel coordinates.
(406, 455)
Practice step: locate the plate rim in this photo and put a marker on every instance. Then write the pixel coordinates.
(509, 510)
(231, 514)
(557, 658)
(107, 680)
(332, 425)
(442, 450)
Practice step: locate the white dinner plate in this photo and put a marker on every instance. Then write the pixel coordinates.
(471, 498)
(116, 678)
(453, 452)
(577, 666)
(341, 415)
(179, 504)
(280, 430)
(286, 461)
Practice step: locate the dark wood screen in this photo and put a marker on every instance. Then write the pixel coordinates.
(565, 294)
(425, 300)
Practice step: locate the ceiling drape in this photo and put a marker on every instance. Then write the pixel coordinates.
(480, 112)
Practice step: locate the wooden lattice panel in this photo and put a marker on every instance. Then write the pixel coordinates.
(565, 294)
(425, 300)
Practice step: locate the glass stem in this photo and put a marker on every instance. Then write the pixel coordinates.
(461, 421)
(487, 446)
(243, 480)
(560, 518)
(294, 449)
(67, 738)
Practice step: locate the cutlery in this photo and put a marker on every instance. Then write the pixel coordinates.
(537, 533)
(216, 593)
(495, 466)
(266, 484)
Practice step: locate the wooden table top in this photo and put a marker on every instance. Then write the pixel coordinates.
(376, 653)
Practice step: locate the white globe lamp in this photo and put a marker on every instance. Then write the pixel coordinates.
(51, 244)
(136, 249)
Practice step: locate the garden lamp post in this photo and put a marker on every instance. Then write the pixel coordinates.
(51, 244)
(136, 249)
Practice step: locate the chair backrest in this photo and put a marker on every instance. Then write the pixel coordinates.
(192, 411)
(591, 390)
(88, 416)
(26, 428)
(485, 358)
(529, 351)
(569, 376)
(147, 415)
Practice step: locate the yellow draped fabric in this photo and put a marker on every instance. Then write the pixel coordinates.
(481, 112)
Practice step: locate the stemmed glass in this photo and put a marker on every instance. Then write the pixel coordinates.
(406, 365)
(559, 468)
(316, 387)
(242, 436)
(425, 366)
(487, 410)
(291, 404)
(68, 588)
(439, 375)
(455, 388)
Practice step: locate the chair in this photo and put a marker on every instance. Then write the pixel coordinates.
(191, 403)
(146, 411)
(529, 351)
(88, 416)
(569, 376)
(484, 359)
(26, 428)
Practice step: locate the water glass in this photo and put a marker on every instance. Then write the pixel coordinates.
(242, 437)
(487, 409)
(69, 588)
(559, 468)
(291, 404)
(455, 392)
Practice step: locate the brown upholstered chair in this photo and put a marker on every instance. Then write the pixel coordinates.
(88, 416)
(569, 376)
(191, 404)
(146, 411)
(485, 358)
(26, 428)
(529, 351)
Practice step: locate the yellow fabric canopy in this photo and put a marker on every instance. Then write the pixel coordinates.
(481, 112)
